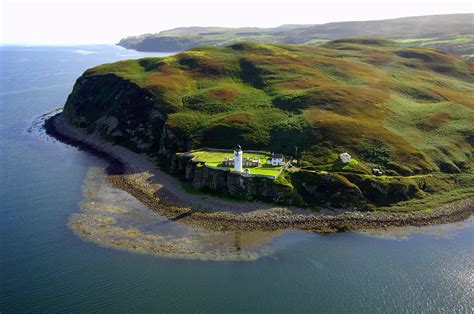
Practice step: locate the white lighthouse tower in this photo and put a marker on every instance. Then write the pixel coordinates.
(238, 158)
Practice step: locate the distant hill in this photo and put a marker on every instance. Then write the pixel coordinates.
(183, 38)
(401, 28)
(453, 33)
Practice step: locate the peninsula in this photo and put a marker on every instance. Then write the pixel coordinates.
(364, 133)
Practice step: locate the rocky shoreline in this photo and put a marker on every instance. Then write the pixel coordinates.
(159, 191)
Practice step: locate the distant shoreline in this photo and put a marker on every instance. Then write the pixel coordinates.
(137, 175)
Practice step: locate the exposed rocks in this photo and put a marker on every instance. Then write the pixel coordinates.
(228, 183)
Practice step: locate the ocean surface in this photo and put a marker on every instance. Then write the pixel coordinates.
(46, 267)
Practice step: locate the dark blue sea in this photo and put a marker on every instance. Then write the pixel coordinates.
(46, 267)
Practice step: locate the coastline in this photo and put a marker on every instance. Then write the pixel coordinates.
(159, 191)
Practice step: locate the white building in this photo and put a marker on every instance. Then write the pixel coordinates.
(238, 158)
(345, 158)
(377, 171)
(276, 160)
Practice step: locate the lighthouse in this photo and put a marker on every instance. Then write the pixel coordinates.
(238, 158)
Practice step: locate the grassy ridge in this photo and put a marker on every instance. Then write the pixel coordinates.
(409, 110)
(462, 45)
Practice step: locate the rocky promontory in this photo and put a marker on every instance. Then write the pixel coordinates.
(404, 111)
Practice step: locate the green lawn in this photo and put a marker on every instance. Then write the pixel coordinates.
(215, 159)
(266, 170)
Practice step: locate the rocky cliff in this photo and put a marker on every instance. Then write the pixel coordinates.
(315, 189)
(228, 183)
(124, 114)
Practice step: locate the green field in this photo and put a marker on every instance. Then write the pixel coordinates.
(215, 159)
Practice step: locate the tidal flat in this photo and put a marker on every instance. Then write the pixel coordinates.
(113, 218)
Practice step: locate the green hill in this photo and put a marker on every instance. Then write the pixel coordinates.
(450, 32)
(400, 28)
(409, 111)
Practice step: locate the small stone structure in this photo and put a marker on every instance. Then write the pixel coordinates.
(345, 158)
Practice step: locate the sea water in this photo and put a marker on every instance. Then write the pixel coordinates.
(46, 266)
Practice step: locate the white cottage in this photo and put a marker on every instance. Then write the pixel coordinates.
(276, 160)
(345, 158)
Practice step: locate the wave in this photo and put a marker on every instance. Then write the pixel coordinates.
(85, 52)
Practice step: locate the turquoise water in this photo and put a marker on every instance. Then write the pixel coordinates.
(44, 266)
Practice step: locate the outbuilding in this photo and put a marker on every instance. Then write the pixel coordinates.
(276, 160)
(345, 158)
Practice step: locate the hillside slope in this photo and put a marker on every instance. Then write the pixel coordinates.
(408, 110)
(400, 28)
(453, 33)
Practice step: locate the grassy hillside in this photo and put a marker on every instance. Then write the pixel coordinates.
(429, 26)
(451, 32)
(408, 110)
(461, 45)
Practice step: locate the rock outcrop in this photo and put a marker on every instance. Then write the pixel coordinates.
(235, 185)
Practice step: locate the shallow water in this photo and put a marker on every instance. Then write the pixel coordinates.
(45, 266)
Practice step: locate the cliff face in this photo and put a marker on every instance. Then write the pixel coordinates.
(227, 183)
(124, 114)
(312, 189)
